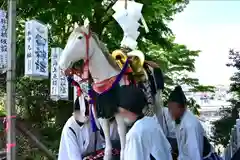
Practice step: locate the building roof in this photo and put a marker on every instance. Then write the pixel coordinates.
(212, 108)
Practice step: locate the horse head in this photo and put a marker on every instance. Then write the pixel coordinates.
(77, 47)
(82, 44)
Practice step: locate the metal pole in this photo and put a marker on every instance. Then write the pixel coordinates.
(11, 67)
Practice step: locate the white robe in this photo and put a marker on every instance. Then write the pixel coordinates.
(144, 138)
(189, 134)
(114, 131)
(73, 147)
(168, 124)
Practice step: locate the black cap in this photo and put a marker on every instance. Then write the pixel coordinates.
(178, 96)
(132, 99)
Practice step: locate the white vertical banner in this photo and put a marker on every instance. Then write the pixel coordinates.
(36, 50)
(54, 74)
(59, 82)
(3, 40)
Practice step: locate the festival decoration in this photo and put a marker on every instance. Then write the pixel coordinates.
(3, 40)
(84, 86)
(36, 50)
(128, 13)
(77, 79)
(59, 82)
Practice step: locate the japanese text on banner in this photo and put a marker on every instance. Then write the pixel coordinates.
(36, 49)
(3, 40)
(59, 83)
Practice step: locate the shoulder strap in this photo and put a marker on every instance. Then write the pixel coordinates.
(73, 131)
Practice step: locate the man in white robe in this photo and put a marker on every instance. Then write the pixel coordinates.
(191, 137)
(145, 140)
(168, 126)
(168, 123)
(77, 138)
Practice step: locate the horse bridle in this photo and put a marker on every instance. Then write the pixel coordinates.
(86, 61)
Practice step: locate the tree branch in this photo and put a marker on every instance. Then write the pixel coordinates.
(100, 16)
(111, 4)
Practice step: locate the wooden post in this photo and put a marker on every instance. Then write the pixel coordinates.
(11, 67)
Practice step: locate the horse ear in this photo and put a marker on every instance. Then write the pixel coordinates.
(87, 24)
(76, 25)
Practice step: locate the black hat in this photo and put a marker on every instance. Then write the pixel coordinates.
(132, 99)
(178, 96)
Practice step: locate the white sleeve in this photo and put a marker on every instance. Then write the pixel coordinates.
(72, 148)
(134, 149)
(114, 131)
(160, 116)
(193, 143)
(161, 149)
(100, 140)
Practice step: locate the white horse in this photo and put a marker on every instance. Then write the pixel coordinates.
(82, 44)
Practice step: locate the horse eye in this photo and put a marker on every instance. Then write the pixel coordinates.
(80, 37)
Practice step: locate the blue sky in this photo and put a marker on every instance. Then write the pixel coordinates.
(212, 27)
(213, 12)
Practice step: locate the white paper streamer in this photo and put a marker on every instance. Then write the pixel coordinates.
(36, 50)
(128, 21)
(3, 40)
(59, 82)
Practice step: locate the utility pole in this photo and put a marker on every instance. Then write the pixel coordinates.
(11, 87)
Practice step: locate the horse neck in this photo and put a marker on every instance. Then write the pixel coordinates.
(99, 66)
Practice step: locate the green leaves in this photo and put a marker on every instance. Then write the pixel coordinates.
(222, 128)
(193, 106)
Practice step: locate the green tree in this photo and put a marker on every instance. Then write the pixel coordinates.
(177, 63)
(222, 127)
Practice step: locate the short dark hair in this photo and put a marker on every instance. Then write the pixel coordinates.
(178, 96)
(132, 99)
